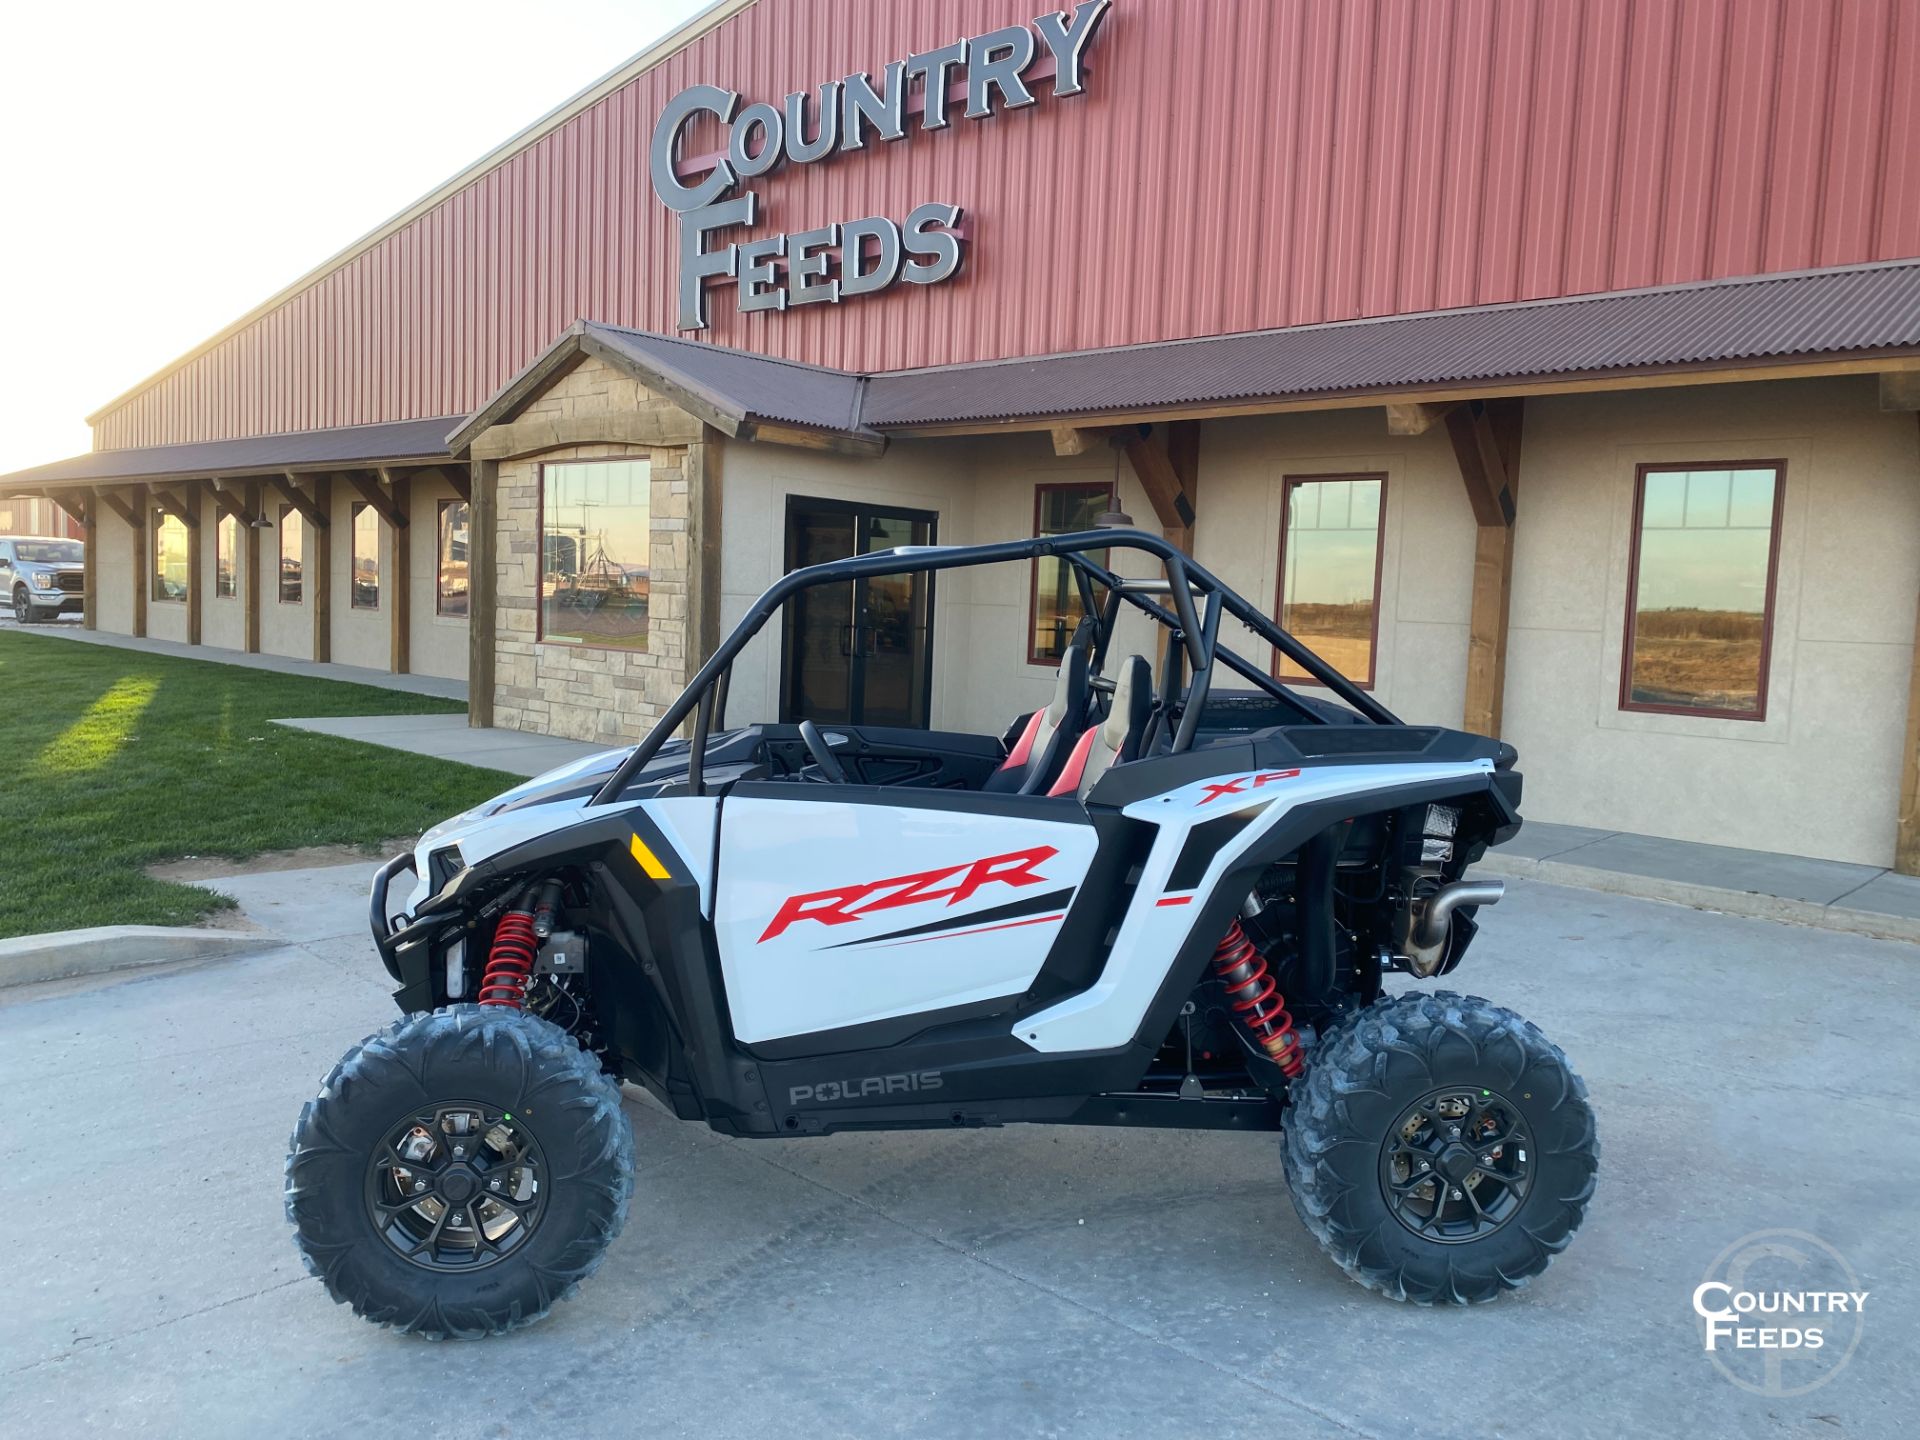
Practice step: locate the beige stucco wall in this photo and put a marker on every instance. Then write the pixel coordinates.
(113, 574)
(580, 691)
(1819, 776)
(437, 643)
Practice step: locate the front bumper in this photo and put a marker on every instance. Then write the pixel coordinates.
(57, 602)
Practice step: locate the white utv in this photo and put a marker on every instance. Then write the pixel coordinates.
(1156, 902)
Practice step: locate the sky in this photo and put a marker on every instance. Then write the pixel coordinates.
(167, 167)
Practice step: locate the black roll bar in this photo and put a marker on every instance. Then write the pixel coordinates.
(1183, 574)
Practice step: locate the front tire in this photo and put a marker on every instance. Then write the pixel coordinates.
(22, 605)
(460, 1172)
(1440, 1148)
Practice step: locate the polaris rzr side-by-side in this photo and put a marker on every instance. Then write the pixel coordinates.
(1157, 901)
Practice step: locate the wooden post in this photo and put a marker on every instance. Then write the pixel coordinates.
(250, 602)
(1486, 446)
(482, 524)
(89, 560)
(319, 569)
(195, 555)
(703, 548)
(1906, 842)
(142, 523)
(400, 612)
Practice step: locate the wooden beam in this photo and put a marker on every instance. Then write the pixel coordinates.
(1486, 446)
(250, 601)
(1183, 450)
(319, 569)
(1478, 451)
(377, 491)
(129, 513)
(481, 581)
(400, 610)
(460, 477)
(703, 550)
(865, 447)
(141, 509)
(1414, 418)
(1900, 389)
(235, 498)
(1075, 440)
(295, 495)
(1153, 464)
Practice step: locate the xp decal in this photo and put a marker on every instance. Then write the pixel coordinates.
(1183, 909)
(844, 904)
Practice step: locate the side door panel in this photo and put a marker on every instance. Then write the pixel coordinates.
(833, 911)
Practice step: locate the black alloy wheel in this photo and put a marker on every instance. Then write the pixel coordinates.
(457, 1186)
(1455, 1166)
(22, 606)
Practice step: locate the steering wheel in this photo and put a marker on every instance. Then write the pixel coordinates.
(822, 753)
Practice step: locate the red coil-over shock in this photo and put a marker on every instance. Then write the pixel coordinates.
(510, 963)
(1256, 999)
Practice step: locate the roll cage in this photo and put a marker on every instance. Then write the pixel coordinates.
(1193, 634)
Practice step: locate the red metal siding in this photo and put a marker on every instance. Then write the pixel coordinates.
(1232, 166)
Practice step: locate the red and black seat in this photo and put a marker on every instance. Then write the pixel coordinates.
(1116, 739)
(1049, 735)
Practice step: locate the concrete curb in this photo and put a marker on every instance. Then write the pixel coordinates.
(1873, 924)
(63, 954)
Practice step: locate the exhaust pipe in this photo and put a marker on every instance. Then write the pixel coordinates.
(1433, 921)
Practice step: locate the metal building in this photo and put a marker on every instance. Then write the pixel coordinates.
(1553, 366)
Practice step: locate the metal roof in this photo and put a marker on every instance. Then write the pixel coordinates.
(743, 385)
(405, 441)
(1763, 318)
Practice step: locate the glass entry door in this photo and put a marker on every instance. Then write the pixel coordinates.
(859, 653)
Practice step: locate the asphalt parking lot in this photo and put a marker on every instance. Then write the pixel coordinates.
(1748, 1077)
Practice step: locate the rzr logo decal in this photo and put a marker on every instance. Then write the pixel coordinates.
(1243, 784)
(953, 884)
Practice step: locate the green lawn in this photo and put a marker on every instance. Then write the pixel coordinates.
(111, 761)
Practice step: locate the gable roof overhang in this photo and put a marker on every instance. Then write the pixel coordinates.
(742, 395)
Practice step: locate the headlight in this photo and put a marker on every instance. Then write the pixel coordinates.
(47, 580)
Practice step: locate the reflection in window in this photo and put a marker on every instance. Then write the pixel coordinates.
(1701, 590)
(450, 588)
(1330, 570)
(169, 558)
(292, 575)
(366, 558)
(226, 550)
(1057, 611)
(595, 536)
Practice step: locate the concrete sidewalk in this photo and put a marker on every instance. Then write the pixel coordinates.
(432, 685)
(1829, 894)
(449, 737)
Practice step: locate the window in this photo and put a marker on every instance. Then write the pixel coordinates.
(226, 551)
(169, 558)
(366, 558)
(450, 588)
(595, 531)
(1056, 610)
(1700, 589)
(1330, 530)
(292, 569)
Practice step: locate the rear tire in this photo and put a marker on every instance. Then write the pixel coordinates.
(1383, 1105)
(570, 1136)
